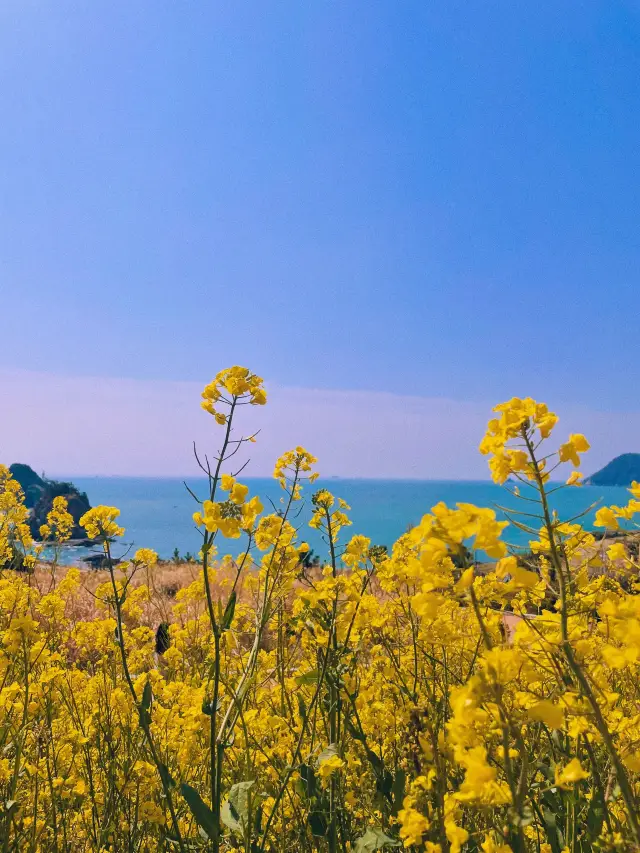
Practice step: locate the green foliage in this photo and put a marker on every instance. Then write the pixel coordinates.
(374, 839)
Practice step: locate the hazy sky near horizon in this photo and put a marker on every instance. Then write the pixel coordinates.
(145, 427)
(406, 211)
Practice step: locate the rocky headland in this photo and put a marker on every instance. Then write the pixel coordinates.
(621, 471)
(39, 493)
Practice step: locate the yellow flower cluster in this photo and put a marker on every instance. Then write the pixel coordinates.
(231, 517)
(449, 696)
(324, 518)
(233, 386)
(522, 419)
(15, 535)
(512, 438)
(100, 523)
(59, 524)
(611, 516)
(293, 465)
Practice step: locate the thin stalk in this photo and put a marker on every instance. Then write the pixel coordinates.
(298, 747)
(143, 722)
(576, 669)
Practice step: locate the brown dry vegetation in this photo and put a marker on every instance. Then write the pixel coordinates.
(167, 578)
(164, 582)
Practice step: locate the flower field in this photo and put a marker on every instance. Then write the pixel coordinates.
(375, 702)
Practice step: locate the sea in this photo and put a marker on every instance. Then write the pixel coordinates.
(157, 512)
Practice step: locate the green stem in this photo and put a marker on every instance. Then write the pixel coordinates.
(144, 724)
(574, 666)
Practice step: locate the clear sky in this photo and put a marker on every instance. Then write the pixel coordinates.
(424, 198)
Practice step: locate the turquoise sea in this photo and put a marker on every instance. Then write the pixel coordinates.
(157, 512)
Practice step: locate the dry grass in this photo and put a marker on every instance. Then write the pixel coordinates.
(164, 582)
(166, 579)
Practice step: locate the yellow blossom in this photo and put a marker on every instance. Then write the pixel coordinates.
(571, 773)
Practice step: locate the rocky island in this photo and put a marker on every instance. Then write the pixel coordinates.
(621, 471)
(39, 493)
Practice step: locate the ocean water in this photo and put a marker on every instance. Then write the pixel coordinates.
(157, 513)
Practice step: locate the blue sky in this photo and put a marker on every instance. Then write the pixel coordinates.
(429, 199)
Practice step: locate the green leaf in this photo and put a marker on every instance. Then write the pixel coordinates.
(308, 776)
(145, 704)
(376, 762)
(302, 708)
(10, 806)
(203, 815)
(167, 778)
(307, 678)
(319, 824)
(397, 791)
(384, 784)
(229, 610)
(595, 820)
(545, 769)
(374, 839)
(230, 817)
(207, 706)
(235, 809)
(327, 753)
(353, 730)
(257, 821)
(554, 834)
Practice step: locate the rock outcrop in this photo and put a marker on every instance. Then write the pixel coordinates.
(621, 471)
(39, 494)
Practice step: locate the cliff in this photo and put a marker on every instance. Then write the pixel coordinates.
(39, 494)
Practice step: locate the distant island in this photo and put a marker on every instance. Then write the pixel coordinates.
(621, 471)
(39, 493)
